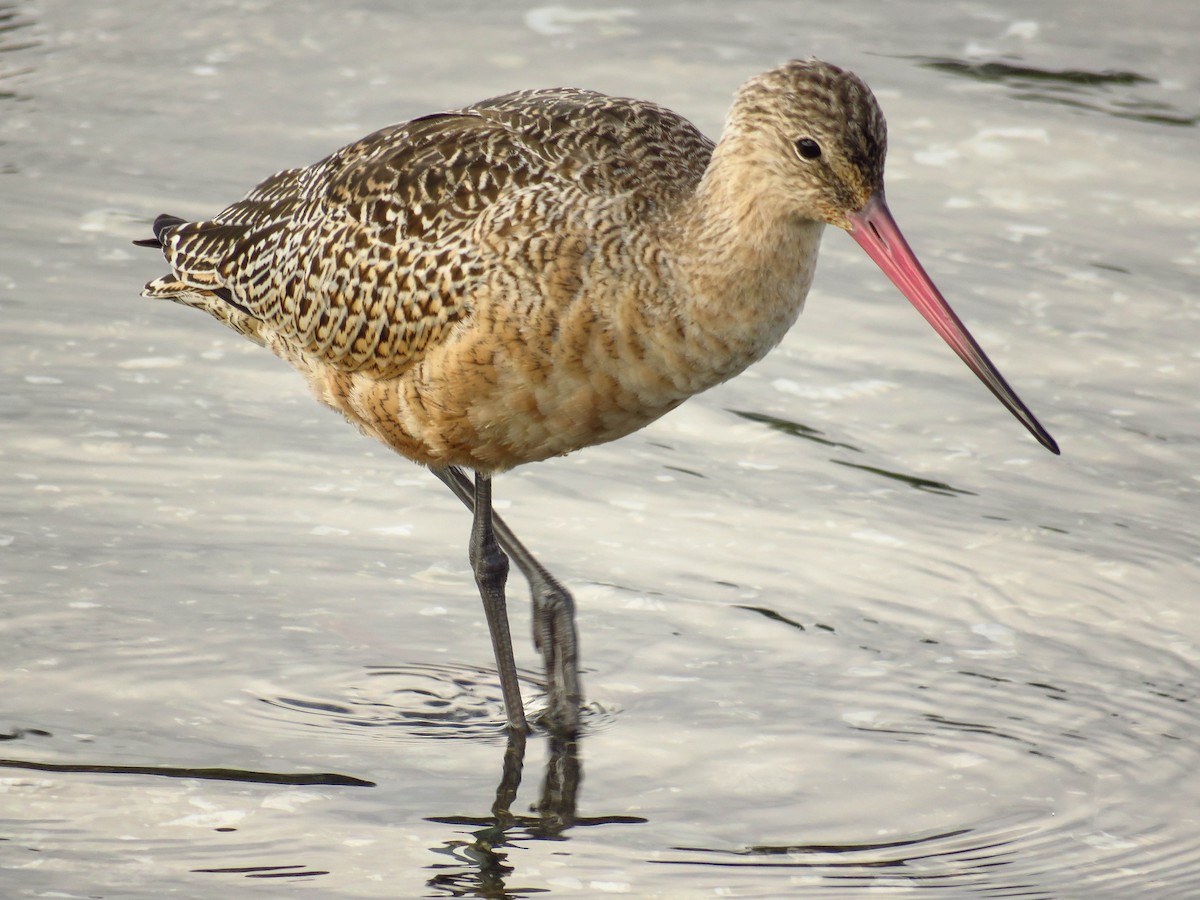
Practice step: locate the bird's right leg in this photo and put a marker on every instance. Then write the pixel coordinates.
(554, 633)
(491, 571)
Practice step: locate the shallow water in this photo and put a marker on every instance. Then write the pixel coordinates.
(846, 629)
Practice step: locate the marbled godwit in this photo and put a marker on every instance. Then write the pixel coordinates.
(548, 270)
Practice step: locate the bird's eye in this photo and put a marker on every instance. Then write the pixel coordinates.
(808, 148)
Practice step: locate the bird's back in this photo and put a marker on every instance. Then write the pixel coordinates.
(366, 258)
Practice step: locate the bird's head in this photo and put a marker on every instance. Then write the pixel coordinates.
(812, 139)
(819, 137)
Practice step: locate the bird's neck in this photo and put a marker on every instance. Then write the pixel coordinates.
(748, 259)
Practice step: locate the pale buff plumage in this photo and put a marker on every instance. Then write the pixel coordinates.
(538, 272)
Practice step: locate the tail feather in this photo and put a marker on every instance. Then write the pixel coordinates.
(195, 283)
(162, 224)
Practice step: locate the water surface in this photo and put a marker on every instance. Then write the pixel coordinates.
(847, 630)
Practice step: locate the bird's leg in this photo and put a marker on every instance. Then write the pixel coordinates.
(554, 632)
(491, 571)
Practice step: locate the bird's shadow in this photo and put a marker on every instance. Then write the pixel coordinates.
(479, 860)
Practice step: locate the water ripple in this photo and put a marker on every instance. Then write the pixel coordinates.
(1009, 779)
(1028, 858)
(416, 701)
(1107, 91)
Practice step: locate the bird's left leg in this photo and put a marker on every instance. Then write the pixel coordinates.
(554, 633)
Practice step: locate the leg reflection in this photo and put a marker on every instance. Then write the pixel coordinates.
(560, 788)
(480, 864)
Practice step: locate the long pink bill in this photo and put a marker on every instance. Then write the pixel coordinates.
(877, 233)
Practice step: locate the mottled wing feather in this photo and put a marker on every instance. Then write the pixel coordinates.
(367, 256)
(608, 144)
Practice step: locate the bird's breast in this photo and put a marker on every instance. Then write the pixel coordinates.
(576, 337)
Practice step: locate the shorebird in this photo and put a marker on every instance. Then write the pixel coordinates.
(547, 270)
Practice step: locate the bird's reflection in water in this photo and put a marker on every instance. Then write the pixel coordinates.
(480, 864)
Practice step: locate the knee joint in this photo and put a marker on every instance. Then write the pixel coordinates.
(489, 563)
